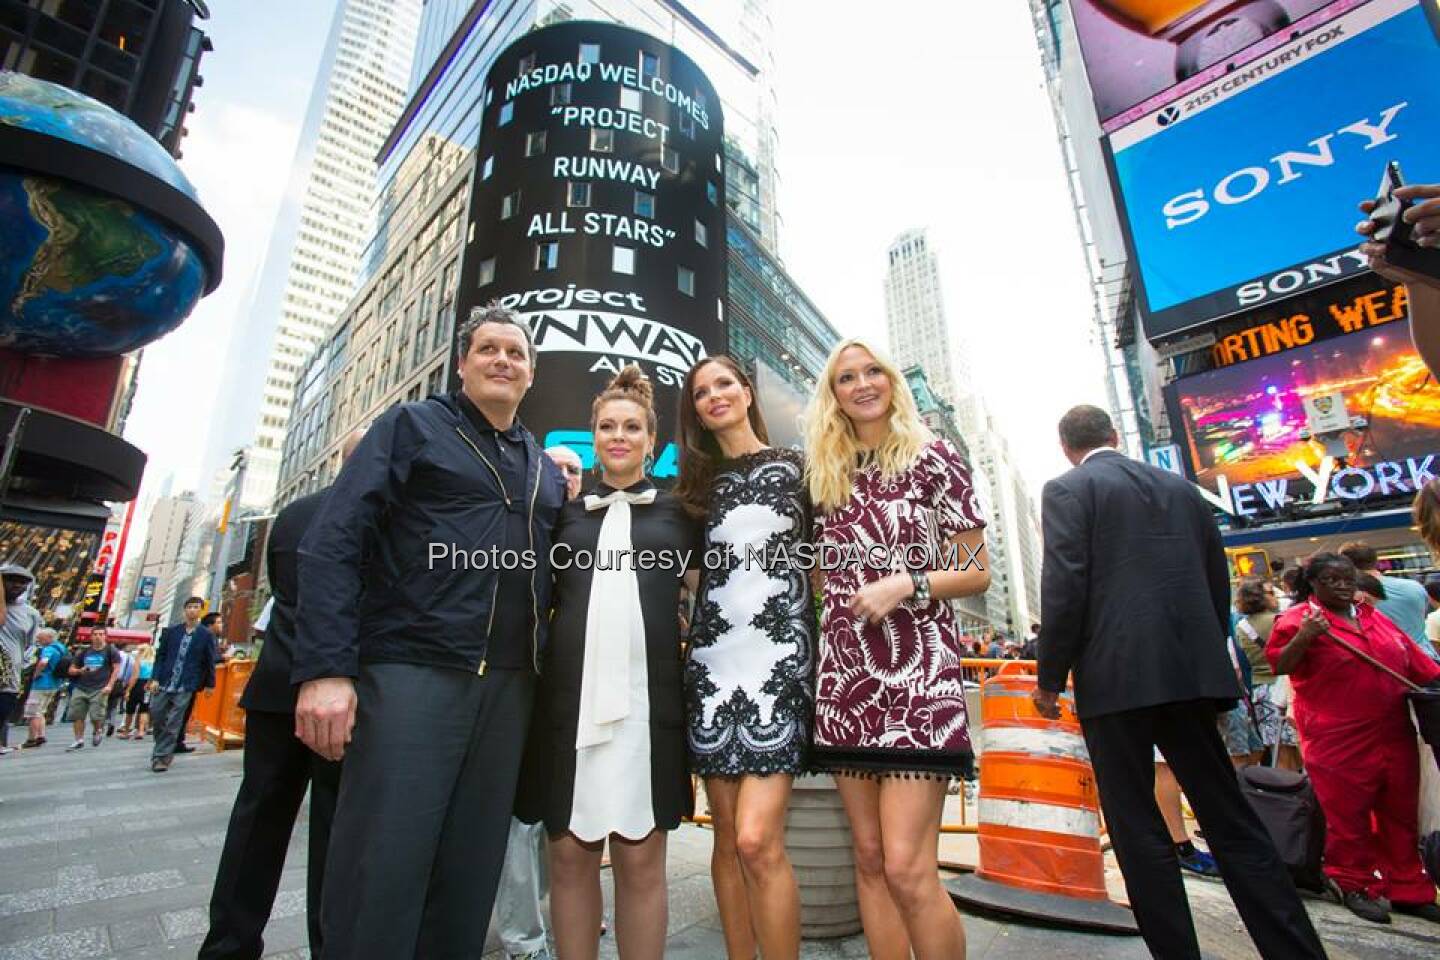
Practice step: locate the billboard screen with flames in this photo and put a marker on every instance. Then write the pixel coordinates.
(1245, 434)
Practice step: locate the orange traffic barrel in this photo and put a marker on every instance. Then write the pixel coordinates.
(1039, 815)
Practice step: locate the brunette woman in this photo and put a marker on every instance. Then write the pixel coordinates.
(606, 755)
(748, 690)
(890, 701)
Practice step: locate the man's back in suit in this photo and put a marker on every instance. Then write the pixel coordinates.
(1135, 597)
(269, 688)
(1135, 589)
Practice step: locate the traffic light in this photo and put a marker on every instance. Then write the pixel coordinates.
(1250, 563)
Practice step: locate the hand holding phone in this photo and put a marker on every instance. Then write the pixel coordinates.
(1388, 226)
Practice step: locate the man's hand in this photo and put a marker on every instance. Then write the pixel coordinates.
(1047, 703)
(325, 715)
(874, 601)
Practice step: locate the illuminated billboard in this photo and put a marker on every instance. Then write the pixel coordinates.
(1244, 192)
(599, 216)
(1140, 54)
(1245, 433)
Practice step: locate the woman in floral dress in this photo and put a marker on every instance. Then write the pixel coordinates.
(900, 533)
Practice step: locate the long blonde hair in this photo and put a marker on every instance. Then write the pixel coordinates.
(832, 450)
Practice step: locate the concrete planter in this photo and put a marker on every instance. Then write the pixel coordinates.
(817, 838)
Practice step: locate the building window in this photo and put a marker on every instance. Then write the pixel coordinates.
(547, 255)
(719, 167)
(711, 193)
(685, 280)
(577, 194)
(622, 259)
(487, 272)
(560, 94)
(702, 236)
(670, 159)
(649, 66)
(602, 141)
(687, 125)
(589, 53)
(488, 169)
(644, 204)
(534, 143)
(630, 99)
(509, 205)
(719, 310)
(507, 112)
(527, 63)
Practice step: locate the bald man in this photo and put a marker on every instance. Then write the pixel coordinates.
(278, 767)
(569, 463)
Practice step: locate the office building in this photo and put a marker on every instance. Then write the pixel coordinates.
(915, 319)
(172, 520)
(141, 57)
(309, 272)
(392, 341)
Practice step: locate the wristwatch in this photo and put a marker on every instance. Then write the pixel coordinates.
(921, 581)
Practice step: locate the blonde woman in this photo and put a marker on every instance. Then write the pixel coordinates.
(899, 507)
(137, 699)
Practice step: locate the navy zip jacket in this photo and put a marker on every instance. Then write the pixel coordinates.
(198, 673)
(418, 482)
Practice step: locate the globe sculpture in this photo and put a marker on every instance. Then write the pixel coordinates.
(93, 260)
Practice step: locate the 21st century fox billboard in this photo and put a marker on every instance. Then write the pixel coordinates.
(1245, 190)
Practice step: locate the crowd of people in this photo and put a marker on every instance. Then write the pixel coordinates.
(100, 688)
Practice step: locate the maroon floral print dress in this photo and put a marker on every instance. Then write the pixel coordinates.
(890, 698)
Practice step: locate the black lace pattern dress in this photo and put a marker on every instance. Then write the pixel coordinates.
(749, 674)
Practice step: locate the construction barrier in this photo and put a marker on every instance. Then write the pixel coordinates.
(1039, 814)
(218, 716)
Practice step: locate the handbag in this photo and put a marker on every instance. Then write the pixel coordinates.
(1424, 701)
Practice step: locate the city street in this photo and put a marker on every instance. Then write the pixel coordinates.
(107, 860)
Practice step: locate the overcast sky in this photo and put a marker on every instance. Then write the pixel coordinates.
(928, 114)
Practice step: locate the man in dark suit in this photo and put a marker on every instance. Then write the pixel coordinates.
(278, 768)
(1135, 594)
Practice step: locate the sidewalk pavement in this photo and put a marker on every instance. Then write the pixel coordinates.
(104, 859)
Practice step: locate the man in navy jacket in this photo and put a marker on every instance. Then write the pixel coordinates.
(424, 598)
(184, 664)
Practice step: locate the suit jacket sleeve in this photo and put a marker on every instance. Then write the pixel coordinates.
(207, 663)
(327, 628)
(1064, 584)
(1217, 569)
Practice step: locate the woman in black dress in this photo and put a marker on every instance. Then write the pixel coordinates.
(606, 757)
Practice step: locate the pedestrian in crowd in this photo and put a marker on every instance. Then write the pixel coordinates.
(420, 669)
(19, 625)
(216, 625)
(605, 761)
(1239, 728)
(94, 670)
(1032, 643)
(569, 464)
(184, 665)
(1288, 581)
(1432, 619)
(1425, 512)
(1135, 592)
(749, 694)
(1168, 798)
(1257, 609)
(1369, 589)
(137, 700)
(1357, 738)
(890, 700)
(124, 680)
(278, 768)
(1423, 289)
(525, 879)
(46, 681)
(1403, 601)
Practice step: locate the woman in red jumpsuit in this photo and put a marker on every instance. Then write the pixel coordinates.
(1357, 739)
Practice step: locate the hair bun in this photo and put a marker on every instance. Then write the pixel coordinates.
(632, 380)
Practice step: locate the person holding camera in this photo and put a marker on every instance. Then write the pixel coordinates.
(1424, 290)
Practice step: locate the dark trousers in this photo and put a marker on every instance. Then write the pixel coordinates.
(278, 768)
(1120, 747)
(424, 812)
